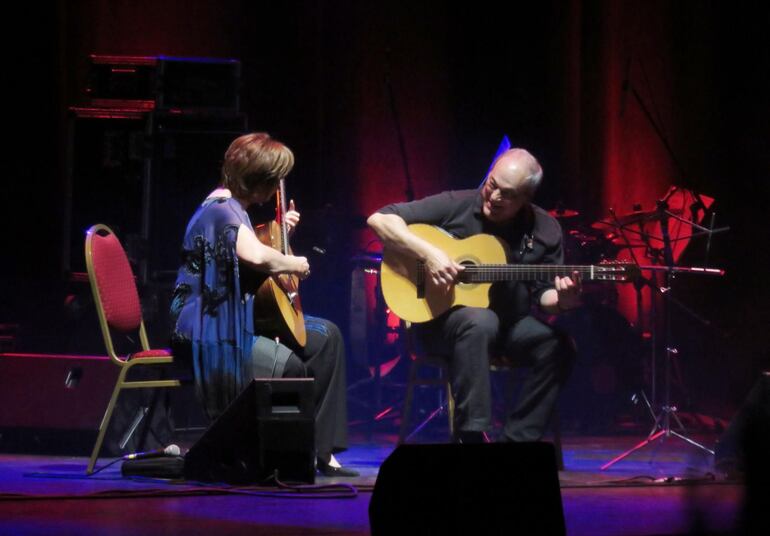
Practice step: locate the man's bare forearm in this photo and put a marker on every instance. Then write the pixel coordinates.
(394, 233)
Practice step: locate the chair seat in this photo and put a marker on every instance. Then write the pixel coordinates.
(496, 361)
(160, 352)
(502, 361)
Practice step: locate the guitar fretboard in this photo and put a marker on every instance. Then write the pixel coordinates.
(490, 273)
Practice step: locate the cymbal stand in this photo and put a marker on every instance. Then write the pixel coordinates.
(662, 426)
(639, 283)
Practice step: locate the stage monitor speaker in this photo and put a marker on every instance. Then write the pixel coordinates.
(493, 488)
(752, 418)
(268, 428)
(744, 451)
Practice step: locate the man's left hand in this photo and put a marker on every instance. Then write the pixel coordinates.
(568, 290)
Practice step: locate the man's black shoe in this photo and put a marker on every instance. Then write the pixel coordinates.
(472, 437)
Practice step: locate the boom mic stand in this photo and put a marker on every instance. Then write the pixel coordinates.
(662, 427)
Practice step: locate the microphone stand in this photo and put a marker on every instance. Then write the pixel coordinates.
(639, 283)
(409, 191)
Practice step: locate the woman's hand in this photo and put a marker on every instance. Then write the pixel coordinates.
(291, 217)
(298, 266)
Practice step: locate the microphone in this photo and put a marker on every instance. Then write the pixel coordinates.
(171, 450)
(529, 242)
(625, 86)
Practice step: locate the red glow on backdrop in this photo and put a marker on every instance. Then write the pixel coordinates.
(400, 91)
(635, 102)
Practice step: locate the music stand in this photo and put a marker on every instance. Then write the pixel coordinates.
(662, 426)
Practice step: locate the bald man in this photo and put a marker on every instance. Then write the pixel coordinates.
(467, 336)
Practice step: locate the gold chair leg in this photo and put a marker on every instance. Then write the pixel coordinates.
(106, 421)
(407, 411)
(450, 404)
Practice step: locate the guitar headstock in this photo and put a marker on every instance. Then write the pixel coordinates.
(619, 272)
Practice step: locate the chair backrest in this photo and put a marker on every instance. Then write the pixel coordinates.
(112, 284)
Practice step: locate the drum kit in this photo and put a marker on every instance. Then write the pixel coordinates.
(603, 240)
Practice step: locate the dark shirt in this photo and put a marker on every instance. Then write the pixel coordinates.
(533, 237)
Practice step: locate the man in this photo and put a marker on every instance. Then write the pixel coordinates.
(468, 336)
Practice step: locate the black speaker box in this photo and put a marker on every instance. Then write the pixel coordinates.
(752, 418)
(188, 153)
(268, 428)
(143, 173)
(495, 488)
(106, 156)
(744, 451)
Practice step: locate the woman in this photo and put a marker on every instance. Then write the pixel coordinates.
(213, 313)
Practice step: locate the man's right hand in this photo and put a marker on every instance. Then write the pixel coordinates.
(442, 270)
(393, 231)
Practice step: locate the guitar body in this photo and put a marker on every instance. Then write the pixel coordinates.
(277, 307)
(418, 301)
(411, 296)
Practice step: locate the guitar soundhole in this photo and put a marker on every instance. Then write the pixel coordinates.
(464, 277)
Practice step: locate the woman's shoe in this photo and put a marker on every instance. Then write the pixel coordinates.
(327, 470)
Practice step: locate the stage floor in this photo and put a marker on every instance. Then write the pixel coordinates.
(669, 488)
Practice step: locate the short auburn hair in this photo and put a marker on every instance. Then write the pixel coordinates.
(255, 163)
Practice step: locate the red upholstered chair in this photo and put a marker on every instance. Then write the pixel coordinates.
(119, 310)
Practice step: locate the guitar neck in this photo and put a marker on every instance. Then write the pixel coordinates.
(280, 202)
(490, 273)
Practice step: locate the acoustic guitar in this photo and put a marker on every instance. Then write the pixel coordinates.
(412, 297)
(277, 306)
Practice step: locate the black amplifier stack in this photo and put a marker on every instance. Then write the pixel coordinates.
(144, 149)
(165, 83)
